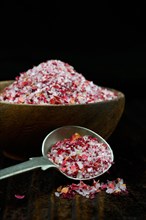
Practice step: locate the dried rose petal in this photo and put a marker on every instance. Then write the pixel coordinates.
(54, 82)
(17, 196)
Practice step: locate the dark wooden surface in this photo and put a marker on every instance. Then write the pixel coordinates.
(129, 146)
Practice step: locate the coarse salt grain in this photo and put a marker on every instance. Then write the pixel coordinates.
(54, 82)
(82, 157)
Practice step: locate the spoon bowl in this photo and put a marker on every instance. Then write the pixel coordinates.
(44, 162)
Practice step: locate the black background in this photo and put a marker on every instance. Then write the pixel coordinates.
(104, 41)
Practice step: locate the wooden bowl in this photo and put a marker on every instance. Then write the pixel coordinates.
(23, 127)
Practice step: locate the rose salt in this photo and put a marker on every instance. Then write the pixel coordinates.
(89, 191)
(54, 82)
(81, 157)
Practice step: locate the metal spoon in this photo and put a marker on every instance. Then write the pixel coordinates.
(43, 162)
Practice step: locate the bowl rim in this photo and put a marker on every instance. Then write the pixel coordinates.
(120, 95)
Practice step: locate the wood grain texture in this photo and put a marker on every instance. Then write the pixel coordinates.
(23, 127)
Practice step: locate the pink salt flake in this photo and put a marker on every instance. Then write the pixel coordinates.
(103, 186)
(84, 157)
(111, 185)
(21, 99)
(54, 83)
(73, 168)
(63, 169)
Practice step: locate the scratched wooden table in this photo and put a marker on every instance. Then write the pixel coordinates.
(40, 203)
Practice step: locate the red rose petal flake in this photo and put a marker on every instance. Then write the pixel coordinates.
(89, 191)
(17, 196)
(81, 157)
(54, 82)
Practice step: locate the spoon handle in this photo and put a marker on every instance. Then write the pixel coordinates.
(31, 164)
